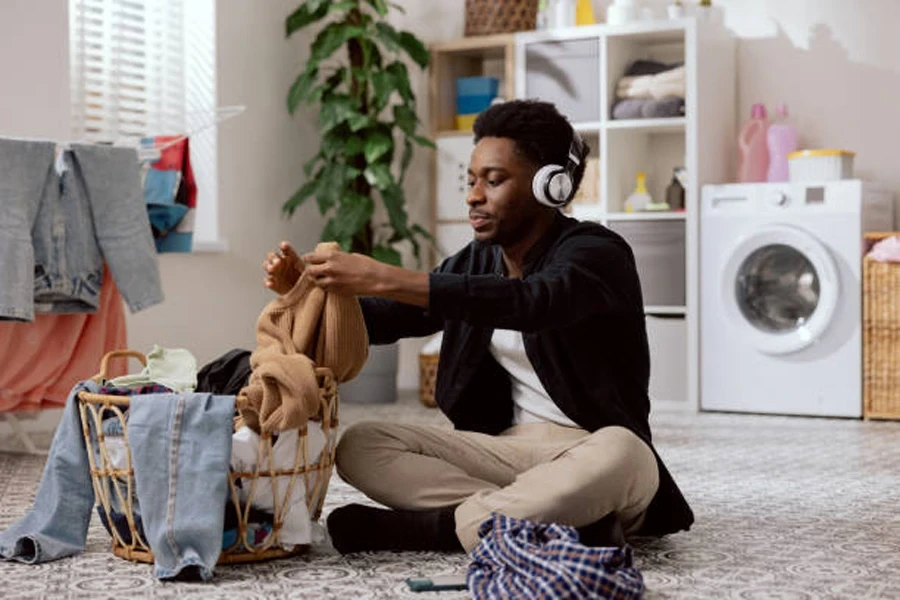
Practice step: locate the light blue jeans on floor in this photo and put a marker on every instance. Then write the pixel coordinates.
(56, 230)
(181, 450)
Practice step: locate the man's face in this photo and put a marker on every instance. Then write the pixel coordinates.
(501, 206)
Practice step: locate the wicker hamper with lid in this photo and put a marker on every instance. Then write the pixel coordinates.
(881, 335)
(117, 485)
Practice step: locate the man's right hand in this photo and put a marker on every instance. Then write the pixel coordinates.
(283, 268)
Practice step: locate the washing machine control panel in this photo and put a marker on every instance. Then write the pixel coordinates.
(778, 198)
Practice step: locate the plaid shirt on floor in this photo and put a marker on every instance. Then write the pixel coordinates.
(522, 559)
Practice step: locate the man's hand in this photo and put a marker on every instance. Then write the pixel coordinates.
(283, 268)
(342, 273)
(360, 275)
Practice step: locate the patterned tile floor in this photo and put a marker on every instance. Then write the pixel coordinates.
(786, 508)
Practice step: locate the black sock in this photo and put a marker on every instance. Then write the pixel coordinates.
(358, 528)
(605, 533)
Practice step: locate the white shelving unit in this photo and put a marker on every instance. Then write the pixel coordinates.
(578, 69)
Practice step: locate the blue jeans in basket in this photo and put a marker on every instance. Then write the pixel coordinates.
(181, 450)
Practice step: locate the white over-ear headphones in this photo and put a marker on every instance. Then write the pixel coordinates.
(553, 185)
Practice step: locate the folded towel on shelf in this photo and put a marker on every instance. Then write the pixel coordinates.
(666, 83)
(632, 108)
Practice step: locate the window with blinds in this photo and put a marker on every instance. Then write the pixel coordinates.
(128, 75)
(146, 68)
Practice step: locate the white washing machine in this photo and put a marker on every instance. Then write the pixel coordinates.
(781, 295)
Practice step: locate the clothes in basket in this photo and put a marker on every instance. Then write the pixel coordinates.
(181, 448)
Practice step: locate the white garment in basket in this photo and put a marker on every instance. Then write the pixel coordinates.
(297, 527)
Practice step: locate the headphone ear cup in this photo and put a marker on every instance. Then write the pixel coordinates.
(560, 187)
(546, 185)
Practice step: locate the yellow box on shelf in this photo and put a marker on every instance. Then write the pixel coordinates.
(465, 122)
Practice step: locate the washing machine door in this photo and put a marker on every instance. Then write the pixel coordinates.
(780, 288)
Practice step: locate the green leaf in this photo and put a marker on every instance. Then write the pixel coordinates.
(400, 76)
(337, 180)
(387, 255)
(332, 37)
(300, 196)
(393, 199)
(353, 214)
(355, 145)
(383, 83)
(406, 119)
(380, 6)
(348, 5)
(378, 144)
(415, 48)
(389, 36)
(406, 159)
(336, 110)
(371, 54)
(310, 165)
(379, 176)
(397, 7)
(331, 234)
(421, 231)
(358, 121)
(422, 141)
(301, 88)
(307, 13)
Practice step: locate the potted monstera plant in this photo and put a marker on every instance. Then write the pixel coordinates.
(358, 81)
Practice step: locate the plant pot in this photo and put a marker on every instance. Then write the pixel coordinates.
(377, 382)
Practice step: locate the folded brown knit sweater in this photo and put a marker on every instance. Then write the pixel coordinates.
(297, 332)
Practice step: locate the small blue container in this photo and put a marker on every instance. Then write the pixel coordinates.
(477, 86)
(469, 105)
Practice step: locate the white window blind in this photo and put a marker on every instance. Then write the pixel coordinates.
(147, 68)
(127, 65)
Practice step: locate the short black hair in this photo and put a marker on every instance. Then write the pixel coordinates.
(540, 132)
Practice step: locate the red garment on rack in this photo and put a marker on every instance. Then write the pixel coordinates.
(41, 361)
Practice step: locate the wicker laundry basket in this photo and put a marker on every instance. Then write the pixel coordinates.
(881, 336)
(484, 17)
(112, 484)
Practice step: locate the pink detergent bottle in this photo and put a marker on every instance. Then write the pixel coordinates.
(782, 140)
(752, 144)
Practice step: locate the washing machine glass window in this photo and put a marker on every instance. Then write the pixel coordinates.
(777, 288)
(780, 288)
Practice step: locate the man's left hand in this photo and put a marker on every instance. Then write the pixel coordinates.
(344, 273)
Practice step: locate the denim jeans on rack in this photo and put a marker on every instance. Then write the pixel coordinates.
(58, 228)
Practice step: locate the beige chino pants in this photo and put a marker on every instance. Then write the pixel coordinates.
(538, 471)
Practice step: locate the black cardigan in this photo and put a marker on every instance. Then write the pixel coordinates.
(579, 306)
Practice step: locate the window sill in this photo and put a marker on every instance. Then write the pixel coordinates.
(209, 247)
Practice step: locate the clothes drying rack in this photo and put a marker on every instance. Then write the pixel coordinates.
(212, 119)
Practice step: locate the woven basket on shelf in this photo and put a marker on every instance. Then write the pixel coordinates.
(112, 484)
(428, 365)
(881, 336)
(485, 17)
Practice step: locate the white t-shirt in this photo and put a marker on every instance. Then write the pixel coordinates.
(531, 403)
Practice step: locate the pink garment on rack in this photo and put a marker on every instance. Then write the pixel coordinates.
(41, 361)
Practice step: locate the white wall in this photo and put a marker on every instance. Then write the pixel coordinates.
(34, 69)
(833, 62)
